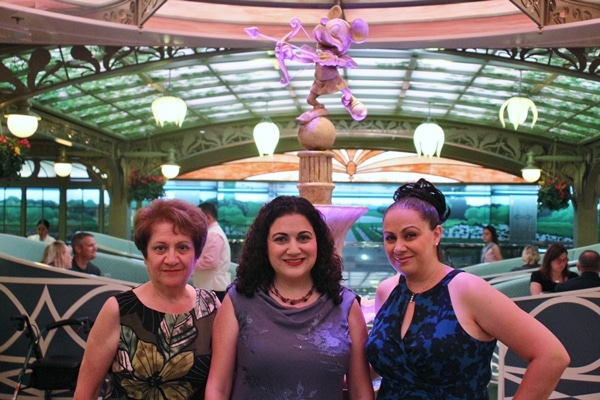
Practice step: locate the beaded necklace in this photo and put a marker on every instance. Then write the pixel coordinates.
(292, 302)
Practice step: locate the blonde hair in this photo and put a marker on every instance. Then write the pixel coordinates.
(53, 254)
(531, 255)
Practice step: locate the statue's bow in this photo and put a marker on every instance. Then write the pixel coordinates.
(283, 49)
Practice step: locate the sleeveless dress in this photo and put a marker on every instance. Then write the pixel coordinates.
(162, 356)
(288, 353)
(437, 359)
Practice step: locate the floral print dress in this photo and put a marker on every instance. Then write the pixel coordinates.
(162, 356)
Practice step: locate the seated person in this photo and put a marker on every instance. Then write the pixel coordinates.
(58, 254)
(84, 251)
(554, 270)
(42, 227)
(588, 265)
(531, 258)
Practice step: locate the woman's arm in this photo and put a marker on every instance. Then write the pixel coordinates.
(360, 386)
(224, 349)
(497, 253)
(100, 351)
(498, 316)
(384, 289)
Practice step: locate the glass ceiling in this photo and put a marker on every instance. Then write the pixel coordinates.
(113, 93)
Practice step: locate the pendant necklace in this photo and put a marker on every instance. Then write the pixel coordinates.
(292, 302)
(431, 283)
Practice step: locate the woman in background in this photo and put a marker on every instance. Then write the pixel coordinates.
(42, 227)
(491, 250)
(554, 270)
(531, 258)
(58, 254)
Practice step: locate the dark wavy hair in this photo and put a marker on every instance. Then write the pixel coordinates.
(423, 197)
(552, 253)
(255, 272)
(186, 219)
(493, 231)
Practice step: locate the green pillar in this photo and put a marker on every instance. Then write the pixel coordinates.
(585, 227)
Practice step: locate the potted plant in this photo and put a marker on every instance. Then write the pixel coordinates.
(554, 194)
(145, 187)
(13, 153)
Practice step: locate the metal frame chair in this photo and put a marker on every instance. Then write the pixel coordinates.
(51, 372)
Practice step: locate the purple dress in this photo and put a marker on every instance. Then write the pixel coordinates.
(291, 353)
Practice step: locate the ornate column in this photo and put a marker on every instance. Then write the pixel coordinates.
(586, 188)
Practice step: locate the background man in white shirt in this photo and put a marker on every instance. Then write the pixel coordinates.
(212, 268)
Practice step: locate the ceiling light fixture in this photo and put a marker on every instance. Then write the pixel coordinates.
(170, 169)
(168, 108)
(517, 108)
(22, 123)
(429, 137)
(266, 135)
(63, 167)
(532, 173)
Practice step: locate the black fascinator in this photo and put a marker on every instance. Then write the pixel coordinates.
(424, 190)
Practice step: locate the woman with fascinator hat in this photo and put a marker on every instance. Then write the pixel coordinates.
(434, 336)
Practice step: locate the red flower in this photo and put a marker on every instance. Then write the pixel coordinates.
(145, 187)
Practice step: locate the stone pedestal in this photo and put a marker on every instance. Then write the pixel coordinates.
(316, 176)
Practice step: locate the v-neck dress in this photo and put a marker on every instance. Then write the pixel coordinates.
(436, 359)
(289, 353)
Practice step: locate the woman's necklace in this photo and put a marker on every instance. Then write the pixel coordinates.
(428, 285)
(292, 302)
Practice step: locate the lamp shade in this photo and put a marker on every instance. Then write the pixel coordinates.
(169, 109)
(517, 109)
(266, 137)
(170, 171)
(22, 125)
(531, 174)
(429, 139)
(63, 167)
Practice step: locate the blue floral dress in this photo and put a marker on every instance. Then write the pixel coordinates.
(436, 359)
(288, 353)
(162, 356)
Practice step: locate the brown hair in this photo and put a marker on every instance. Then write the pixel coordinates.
(186, 219)
(553, 252)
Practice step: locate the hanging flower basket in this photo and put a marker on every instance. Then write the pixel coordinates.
(145, 187)
(13, 153)
(554, 194)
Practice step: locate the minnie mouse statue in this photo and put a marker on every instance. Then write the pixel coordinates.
(333, 35)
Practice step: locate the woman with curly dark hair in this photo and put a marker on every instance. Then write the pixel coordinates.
(287, 323)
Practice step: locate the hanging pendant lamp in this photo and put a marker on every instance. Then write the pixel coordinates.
(518, 108)
(266, 136)
(429, 137)
(169, 109)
